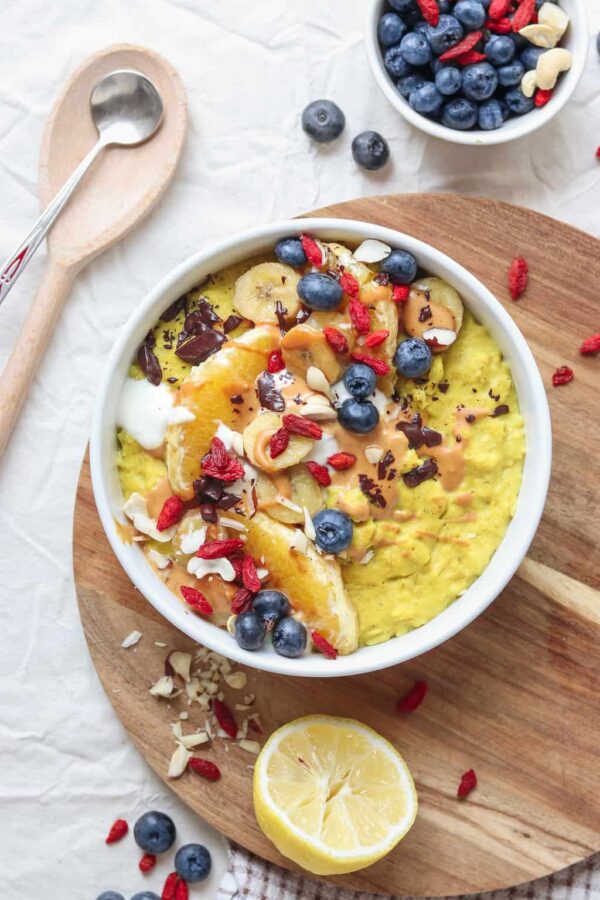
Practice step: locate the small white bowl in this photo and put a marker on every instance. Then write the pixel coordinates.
(575, 40)
(520, 532)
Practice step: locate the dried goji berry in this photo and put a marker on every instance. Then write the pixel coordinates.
(468, 782)
(542, 97)
(376, 338)
(237, 562)
(117, 831)
(278, 442)
(359, 315)
(170, 886)
(524, 15)
(147, 862)
(242, 601)
(218, 452)
(598, 152)
(518, 274)
(379, 366)
(319, 473)
(182, 890)
(430, 11)
(205, 767)
(342, 460)
(498, 26)
(170, 514)
(336, 340)
(196, 600)
(591, 344)
(249, 576)
(275, 361)
(219, 464)
(349, 284)
(312, 250)
(470, 58)
(219, 549)
(462, 47)
(323, 645)
(225, 718)
(413, 698)
(300, 425)
(400, 293)
(562, 376)
(499, 8)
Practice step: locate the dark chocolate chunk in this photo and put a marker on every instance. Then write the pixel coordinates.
(228, 501)
(384, 464)
(149, 364)
(208, 489)
(172, 310)
(425, 314)
(268, 394)
(470, 417)
(200, 345)
(501, 410)
(443, 387)
(231, 322)
(420, 473)
(208, 511)
(237, 398)
(280, 312)
(372, 491)
(303, 315)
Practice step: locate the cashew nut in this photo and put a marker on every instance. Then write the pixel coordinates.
(550, 65)
(529, 83)
(552, 15)
(540, 35)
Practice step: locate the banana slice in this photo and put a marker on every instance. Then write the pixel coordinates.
(303, 346)
(312, 582)
(443, 294)
(256, 444)
(258, 291)
(304, 491)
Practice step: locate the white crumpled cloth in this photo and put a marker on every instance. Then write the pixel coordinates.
(67, 767)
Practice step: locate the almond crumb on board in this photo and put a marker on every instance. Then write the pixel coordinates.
(133, 638)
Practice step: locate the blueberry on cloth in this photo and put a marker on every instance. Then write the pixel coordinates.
(412, 358)
(510, 74)
(460, 114)
(409, 83)
(517, 102)
(400, 266)
(390, 29)
(395, 63)
(360, 380)
(250, 630)
(154, 832)
(415, 48)
(289, 251)
(320, 291)
(110, 895)
(370, 150)
(426, 99)
(445, 34)
(470, 13)
(499, 49)
(358, 416)
(333, 530)
(448, 81)
(490, 115)
(193, 863)
(479, 81)
(270, 606)
(289, 638)
(323, 121)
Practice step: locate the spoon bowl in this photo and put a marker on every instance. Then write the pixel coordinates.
(126, 108)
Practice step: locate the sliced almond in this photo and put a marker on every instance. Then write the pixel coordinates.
(316, 380)
(250, 746)
(190, 741)
(236, 680)
(180, 663)
(556, 18)
(540, 35)
(372, 251)
(164, 687)
(373, 454)
(133, 638)
(439, 338)
(529, 83)
(179, 761)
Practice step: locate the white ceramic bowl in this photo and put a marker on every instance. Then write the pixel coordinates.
(508, 556)
(575, 40)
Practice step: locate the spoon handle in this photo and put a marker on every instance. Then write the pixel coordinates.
(15, 264)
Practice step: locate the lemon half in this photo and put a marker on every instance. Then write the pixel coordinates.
(332, 794)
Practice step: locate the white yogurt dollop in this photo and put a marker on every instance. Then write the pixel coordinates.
(145, 410)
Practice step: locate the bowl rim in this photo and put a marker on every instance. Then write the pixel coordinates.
(460, 612)
(518, 127)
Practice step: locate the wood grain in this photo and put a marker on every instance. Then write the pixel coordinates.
(121, 188)
(515, 695)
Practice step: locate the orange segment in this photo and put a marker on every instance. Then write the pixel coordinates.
(206, 394)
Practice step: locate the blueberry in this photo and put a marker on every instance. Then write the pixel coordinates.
(415, 49)
(154, 832)
(519, 41)
(403, 6)
(490, 115)
(460, 114)
(360, 380)
(370, 150)
(426, 99)
(529, 57)
(499, 49)
(323, 121)
(517, 102)
(358, 416)
(479, 81)
(289, 638)
(421, 28)
(289, 251)
(400, 266)
(412, 358)
(250, 630)
(390, 29)
(510, 74)
(445, 34)
(598, 42)
(146, 895)
(320, 291)
(470, 13)
(395, 63)
(448, 81)
(270, 606)
(409, 83)
(504, 109)
(110, 895)
(333, 529)
(444, 6)
(193, 863)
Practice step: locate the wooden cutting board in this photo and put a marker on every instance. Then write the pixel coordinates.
(516, 695)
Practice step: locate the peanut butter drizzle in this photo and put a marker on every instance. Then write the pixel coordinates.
(219, 593)
(125, 530)
(373, 292)
(440, 317)
(261, 451)
(157, 496)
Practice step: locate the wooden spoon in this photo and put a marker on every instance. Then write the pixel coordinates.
(120, 190)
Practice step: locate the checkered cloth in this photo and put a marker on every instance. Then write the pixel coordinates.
(249, 878)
